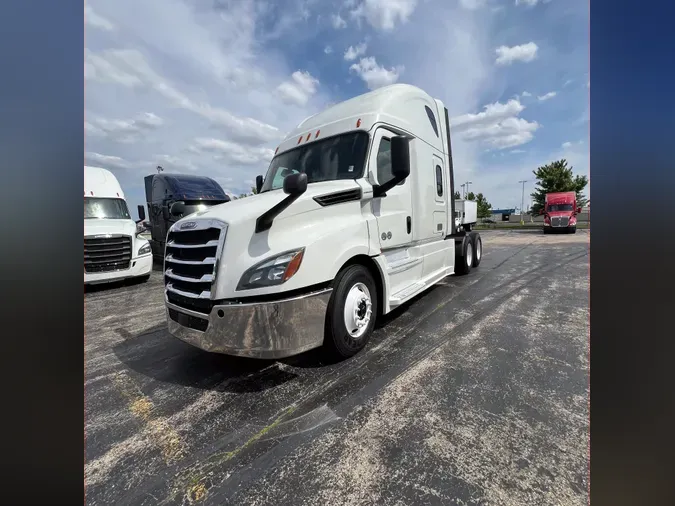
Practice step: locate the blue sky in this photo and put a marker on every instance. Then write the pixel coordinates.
(210, 86)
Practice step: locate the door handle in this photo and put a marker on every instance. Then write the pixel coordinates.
(408, 222)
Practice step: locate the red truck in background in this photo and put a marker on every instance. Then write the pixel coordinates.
(560, 212)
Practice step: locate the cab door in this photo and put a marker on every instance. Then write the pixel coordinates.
(393, 211)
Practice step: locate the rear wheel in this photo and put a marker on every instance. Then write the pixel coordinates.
(464, 257)
(477, 249)
(351, 312)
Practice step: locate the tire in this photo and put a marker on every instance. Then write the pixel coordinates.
(572, 230)
(464, 258)
(477, 249)
(143, 279)
(353, 287)
(546, 230)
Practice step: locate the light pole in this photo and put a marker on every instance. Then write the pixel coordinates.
(462, 185)
(522, 202)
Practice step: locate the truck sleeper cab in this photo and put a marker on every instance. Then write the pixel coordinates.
(112, 248)
(354, 217)
(560, 212)
(172, 196)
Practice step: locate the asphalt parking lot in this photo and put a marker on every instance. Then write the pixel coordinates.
(475, 393)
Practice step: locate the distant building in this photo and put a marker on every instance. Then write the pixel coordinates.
(502, 214)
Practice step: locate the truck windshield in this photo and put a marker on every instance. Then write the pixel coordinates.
(339, 157)
(560, 207)
(112, 209)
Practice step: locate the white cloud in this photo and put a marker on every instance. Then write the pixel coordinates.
(128, 131)
(527, 3)
(567, 83)
(523, 53)
(338, 22)
(526, 94)
(517, 151)
(384, 15)
(130, 68)
(328, 50)
(472, 4)
(374, 75)
(95, 21)
(493, 113)
(566, 144)
(547, 96)
(233, 152)
(95, 159)
(497, 126)
(299, 89)
(353, 52)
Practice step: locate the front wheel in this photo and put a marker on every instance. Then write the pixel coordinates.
(572, 230)
(351, 312)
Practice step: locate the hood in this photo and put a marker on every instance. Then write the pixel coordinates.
(250, 208)
(103, 226)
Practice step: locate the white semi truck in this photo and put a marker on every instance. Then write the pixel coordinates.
(113, 250)
(354, 217)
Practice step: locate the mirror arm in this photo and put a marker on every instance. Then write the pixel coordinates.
(264, 221)
(380, 190)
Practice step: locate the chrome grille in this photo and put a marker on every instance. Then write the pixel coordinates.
(560, 221)
(190, 263)
(106, 254)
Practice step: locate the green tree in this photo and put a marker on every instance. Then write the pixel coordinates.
(484, 207)
(457, 196)
(253, 190)
(470, 196)
(557, 177)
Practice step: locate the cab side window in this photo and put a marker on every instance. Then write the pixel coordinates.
(384, 173)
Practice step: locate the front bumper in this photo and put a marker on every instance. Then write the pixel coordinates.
(140, 266)
(267, 330)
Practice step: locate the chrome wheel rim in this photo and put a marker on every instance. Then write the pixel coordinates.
(358, 310)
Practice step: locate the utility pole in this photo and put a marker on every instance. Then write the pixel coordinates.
(467, 186)
(462, 185)
(522, 202)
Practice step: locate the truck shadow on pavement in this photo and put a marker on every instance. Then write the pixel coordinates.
(157, 355)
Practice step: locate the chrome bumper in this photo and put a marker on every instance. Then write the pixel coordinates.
(261, 330)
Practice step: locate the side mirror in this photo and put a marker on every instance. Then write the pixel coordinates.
(400, 165)
(141, 213)
(400, 157)
(258, 183)
(177, 208)
(295, 184)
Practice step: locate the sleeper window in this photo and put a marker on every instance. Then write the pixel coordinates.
(439, 181)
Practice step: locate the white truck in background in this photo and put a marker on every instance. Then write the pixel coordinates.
(113, 250)
(354, 217)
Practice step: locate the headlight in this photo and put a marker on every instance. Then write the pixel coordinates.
(273, 271)
(144, 249)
